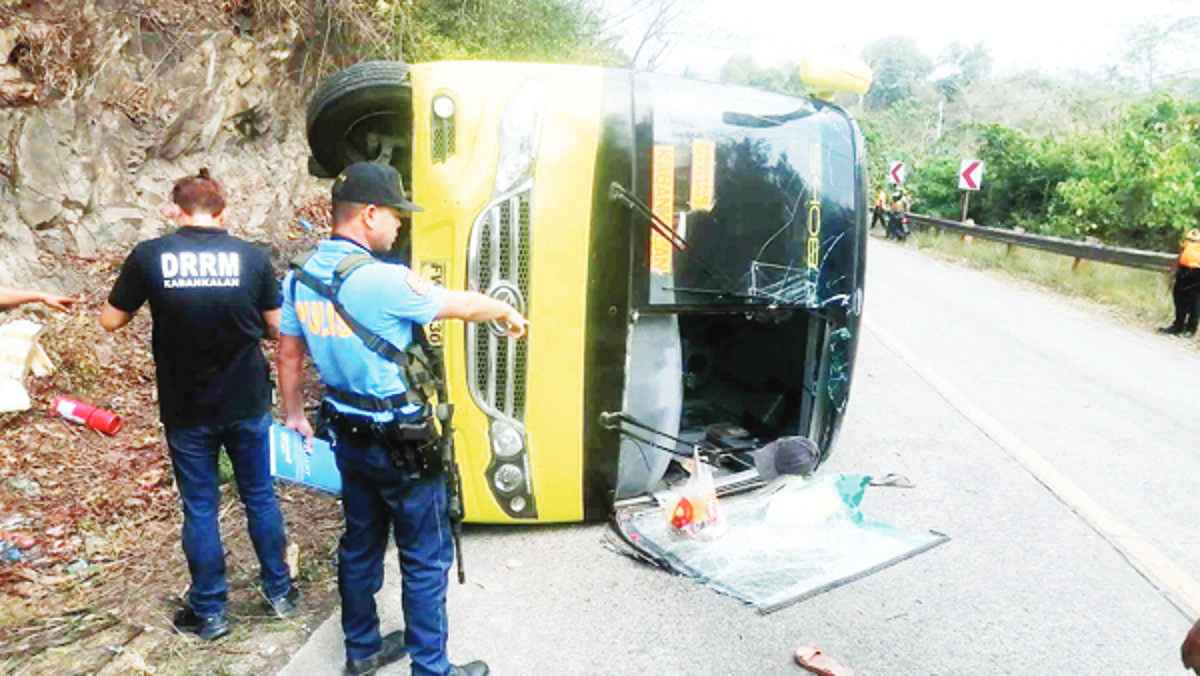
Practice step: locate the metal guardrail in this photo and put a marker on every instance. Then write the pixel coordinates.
(1132, 258)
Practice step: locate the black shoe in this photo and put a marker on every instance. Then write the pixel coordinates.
(1171, 330)
(393, 650)
(287, 605)
(476, 668)
(207, 628)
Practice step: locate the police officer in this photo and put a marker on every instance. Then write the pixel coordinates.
(366, 394)
(1186, 292)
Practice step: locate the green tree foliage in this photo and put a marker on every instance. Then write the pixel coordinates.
(522, 30)
(1022, 174)
(1155, 46)
(337, 34)
(1136, 183)
(741, 69)
(933, 184)
(1073, 157)
(899, 67)
(963, 67)
(899, 133)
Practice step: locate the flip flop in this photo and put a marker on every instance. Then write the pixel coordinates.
(814, 661)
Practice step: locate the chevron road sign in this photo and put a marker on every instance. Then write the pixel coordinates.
(970, 175)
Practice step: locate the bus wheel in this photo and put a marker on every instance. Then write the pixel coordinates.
(357, 114)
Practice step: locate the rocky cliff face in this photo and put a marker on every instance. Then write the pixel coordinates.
(86, 158)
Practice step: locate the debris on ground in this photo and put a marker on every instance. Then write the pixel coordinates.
(9, 552)
(796, 538)
(91, 567)
(813, 660)
(893, 480)
(1189, 651)
(19, 350)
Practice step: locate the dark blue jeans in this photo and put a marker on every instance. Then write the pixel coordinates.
(194, 458)
(376, 498)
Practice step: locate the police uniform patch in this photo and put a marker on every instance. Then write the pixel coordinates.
(417, 283)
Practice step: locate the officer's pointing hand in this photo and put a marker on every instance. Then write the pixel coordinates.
(515, 324)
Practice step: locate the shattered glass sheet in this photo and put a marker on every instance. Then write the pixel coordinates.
(785, 285)
(785, 543)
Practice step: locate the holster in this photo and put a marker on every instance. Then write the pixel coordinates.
(413, 446)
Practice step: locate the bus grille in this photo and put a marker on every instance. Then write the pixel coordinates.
(498, 265)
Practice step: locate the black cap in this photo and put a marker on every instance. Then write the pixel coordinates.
(787, 455)
(372, 183)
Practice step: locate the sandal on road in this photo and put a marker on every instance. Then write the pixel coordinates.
(815, 661)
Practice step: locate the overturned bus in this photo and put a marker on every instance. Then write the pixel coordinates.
(690, 256)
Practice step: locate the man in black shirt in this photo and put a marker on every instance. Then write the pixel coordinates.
(213, 298)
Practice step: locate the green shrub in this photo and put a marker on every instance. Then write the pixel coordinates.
(1134, 183)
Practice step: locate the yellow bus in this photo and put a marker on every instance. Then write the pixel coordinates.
(690, 256)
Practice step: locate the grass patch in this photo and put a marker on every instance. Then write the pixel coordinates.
(224, 468)
(1142, 294)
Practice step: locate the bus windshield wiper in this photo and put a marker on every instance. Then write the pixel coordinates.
(618, 193)
(720, 293)
(762, 121)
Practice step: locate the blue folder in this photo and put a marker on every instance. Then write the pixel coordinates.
(290, 461)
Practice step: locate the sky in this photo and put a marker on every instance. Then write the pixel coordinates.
(1049, 35)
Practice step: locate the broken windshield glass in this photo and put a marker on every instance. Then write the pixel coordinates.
(763, 190)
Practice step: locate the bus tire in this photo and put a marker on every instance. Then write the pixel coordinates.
(368, 97)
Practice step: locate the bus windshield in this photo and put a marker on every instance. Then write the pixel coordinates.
(760, 191)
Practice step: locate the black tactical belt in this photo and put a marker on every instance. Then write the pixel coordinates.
(412, 445)
(367, 402)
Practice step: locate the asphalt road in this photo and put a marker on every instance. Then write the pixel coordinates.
(962, 378)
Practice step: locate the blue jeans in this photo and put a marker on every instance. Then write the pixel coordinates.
(377, 497)
(194, 458)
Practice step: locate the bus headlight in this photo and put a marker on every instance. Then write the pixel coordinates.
(508, 478)
(506, 440)
(443, 107)
(508, 472)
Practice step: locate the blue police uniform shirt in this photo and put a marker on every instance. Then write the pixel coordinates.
(384, 297)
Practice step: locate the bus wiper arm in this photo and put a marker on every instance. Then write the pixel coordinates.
(762, 121)
(618, 193)
(721, 293)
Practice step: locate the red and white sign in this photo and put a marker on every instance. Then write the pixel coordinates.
(896, 173)
(970, 175)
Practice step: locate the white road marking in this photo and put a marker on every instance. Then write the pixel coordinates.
(1179, 589)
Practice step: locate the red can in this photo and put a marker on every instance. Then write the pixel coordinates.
(98, 419)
